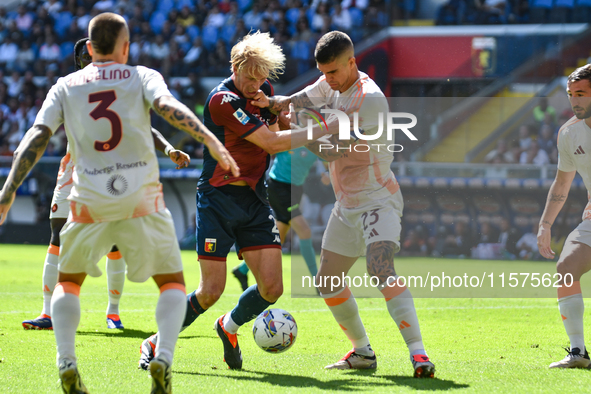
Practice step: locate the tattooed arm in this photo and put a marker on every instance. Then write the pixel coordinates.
(276, 104)
(554, 203)
(26, 155)
(181, 117)
(380, 259)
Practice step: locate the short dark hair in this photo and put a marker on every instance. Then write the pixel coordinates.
(78, 51)
(332, 45)
(104, 32)
(580, 74)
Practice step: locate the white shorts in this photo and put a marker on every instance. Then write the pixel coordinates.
(582, 233)
(60, 206)
(351, 230)
(147, 243)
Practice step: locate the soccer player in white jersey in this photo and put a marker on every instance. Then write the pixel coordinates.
(60, 208)
(366, 216)
(117, 196)
(574, 147)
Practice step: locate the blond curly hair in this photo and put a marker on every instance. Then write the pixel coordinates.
(258, 53)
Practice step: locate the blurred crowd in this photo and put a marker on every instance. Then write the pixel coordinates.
(180, 38)
(536, 142)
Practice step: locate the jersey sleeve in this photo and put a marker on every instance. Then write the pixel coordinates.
(227, 110)
(154, 85)
(51, 113)
(317, 92)
(565, 159)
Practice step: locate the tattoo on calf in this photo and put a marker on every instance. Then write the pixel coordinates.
(380, 260)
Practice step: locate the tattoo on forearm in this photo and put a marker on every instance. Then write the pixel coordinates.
(25, 157)
(380, 260)
(546, 222)
(556, 197)
(300, 100)
(181, 117)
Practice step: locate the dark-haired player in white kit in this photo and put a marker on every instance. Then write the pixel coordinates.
(574, 147)
(366, 216)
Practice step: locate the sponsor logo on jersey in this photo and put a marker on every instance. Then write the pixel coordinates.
(579, 151)
(241, 116)
(54, 208)
(210, 244)
(117, 185)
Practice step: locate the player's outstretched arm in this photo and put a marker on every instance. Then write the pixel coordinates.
(181, 117)
(26, 155)
(329, 149)
(556, 197)
(178, 157)
(276, 104)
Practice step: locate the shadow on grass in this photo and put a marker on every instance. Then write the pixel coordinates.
(126, 333)
(344, 383)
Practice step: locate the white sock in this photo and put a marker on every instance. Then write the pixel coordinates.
(49, 277)
(365, 351)
(170, 314)
(229, 325)
(65, 316)
(115, 281)
(402, 310)
(572, 307)
(344, 308)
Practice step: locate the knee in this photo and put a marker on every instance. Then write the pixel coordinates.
(271, 292)
(208, 296)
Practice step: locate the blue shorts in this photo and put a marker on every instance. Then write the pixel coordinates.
(229, 215)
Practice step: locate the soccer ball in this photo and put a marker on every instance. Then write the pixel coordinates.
(275, 330)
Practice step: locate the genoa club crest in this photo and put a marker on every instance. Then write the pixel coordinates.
(210, 245)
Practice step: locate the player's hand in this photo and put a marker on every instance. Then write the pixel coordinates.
(285, 120)
(325, 178)
(223, 157)
(5, 204)
(180, 158)
(544, 237)
(260, 100)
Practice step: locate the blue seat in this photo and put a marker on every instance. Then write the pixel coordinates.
(62, 23)
(165, 6)
(244, 5)
(182, 3)
(193, 32)
(292, 15)
(565, 3)
(67, 49)
(156, 22)
(356, 16)
(542, 4)
(227, 33)
(210, 37)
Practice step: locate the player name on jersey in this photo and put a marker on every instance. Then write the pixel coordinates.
(81, 79)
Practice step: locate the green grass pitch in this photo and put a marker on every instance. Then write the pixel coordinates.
(477, 344)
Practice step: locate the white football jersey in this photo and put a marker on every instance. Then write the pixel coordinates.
(105, 109)
(364, 174)
(574, 152)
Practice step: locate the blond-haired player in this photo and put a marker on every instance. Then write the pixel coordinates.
(574, 146)
(117, 195)
(234, 209)
(366, 216)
